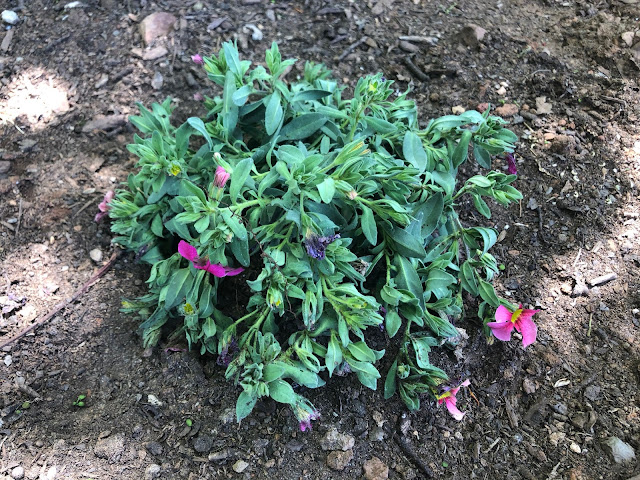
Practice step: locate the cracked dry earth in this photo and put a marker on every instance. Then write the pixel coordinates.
(564, 73)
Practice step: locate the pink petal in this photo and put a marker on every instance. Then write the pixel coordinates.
(215, 269)
(450, 403)
(501, 330)
(466, 383)
(188, 251)
(503, 314)
(528, 330)
(230, 272)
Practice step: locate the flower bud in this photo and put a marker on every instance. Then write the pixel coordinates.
(197, 59)
(221, 177)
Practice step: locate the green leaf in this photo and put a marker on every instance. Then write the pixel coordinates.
(282, 392)
(393, 322)
(468, 279)
(271, 372)
(482, 156)
(244, 405)
(487, 293)
(178, 287)
(209, 328)
(438, 279)
(202, 224)
(362, 352)
(369, 227)
(481, 205)
(431, 210)
(422, 347)
(481, 181)
(198, 125)
(407, 278)
(405, 243)
(390, 381)
(303, 377)
(241, 95)
(413, 151)
(327, 189)
(156, 225)
(232, 58)
(303, 126)
(310, 95)
(462, 149)
(379, 125)
(240, 174)
(273, 115)
(334, 354)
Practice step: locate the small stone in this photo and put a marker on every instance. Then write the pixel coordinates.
(102, 122)
(10, 17)
(240, 466)
(458, 109)
(96, 255)
(507, 110)
(627, 37)
(110, 448)
(5, 166)
(409, 47)
(471, 35)
(102, 81)
(339, 460)
(560, 408)
(152, 471)
(575, 448)
(592, 392)
(542, 106)
(156, 25)
(529, 386)
(154, 448)
(501, 91)
(157, 81)
(620, 451)
(17, 473)
(203, 443)
(155, 53)
(334, 440)
(8, 360)
(375, 469)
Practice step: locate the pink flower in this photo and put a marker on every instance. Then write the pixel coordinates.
(520, 319)
(197, 59)
(104, 206)
(198, 97)
(449, 399)
(221, 177)
(190, 253)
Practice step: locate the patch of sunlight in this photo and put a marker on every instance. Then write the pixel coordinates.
(33, 98)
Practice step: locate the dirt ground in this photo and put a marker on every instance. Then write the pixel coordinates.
(564, 72)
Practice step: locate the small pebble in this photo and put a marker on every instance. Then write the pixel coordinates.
(240, 466)
(10, 17)
(17, 473)
(96, 255)
(8, 360)
(575, 448)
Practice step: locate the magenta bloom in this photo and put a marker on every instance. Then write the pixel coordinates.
(520, 319)
(511, 164)
(197, 59)
(221, 177)
(449, 399)
(190, 253)
(104, 206)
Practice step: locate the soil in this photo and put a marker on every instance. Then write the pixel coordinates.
(564, 72)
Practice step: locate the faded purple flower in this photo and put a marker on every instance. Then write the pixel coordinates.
(228, 352)
(305, 412)
(197, 59)
(198, 97)
(511, 164)
(316, 245)
(104, 206)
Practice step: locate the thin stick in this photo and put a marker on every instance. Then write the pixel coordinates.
(19, 217)
(351, 48)
(413, 456)
(78, 293)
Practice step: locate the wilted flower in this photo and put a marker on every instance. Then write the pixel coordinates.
(352, 194)
(305, 412)
(449, 399)
(521, 320)
(198, 97)
(197, 59)
(190, 253)
(221, 177)
(316, 245)
(104, 206)
(511, 162)
(228, 352)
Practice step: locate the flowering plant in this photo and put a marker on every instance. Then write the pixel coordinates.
(328, 215)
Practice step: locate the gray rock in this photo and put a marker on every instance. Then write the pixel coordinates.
(240, 466)
(560, 408)
(154, 448)
(471, 35)
(10, 17)
(339, 460)
(104, 123)
(334, 440)
(152, 471)
(156, 25)
(157, 81)
(620, 451)
(203, 443)
(592, 392)
(17, 473)
(110, 448)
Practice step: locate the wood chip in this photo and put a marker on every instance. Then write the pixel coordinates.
(6, 41)
(603, 279)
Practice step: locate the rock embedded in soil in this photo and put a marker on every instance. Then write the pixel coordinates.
(620, 451)
(334, 440)
(240, 466)
(152, 471)
(96, 255)
(507, 110)
(10, 17)
(339, 460)
(110, 448)
(102, 122)
(375, 469)
(203, 443)
(471, 35)
(156, 25)
(17, 473)
(592, 392)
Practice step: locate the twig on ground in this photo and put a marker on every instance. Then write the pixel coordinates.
(413, 456)
(351, 48)
(415, 70)
(78, 293)
(19, 217)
